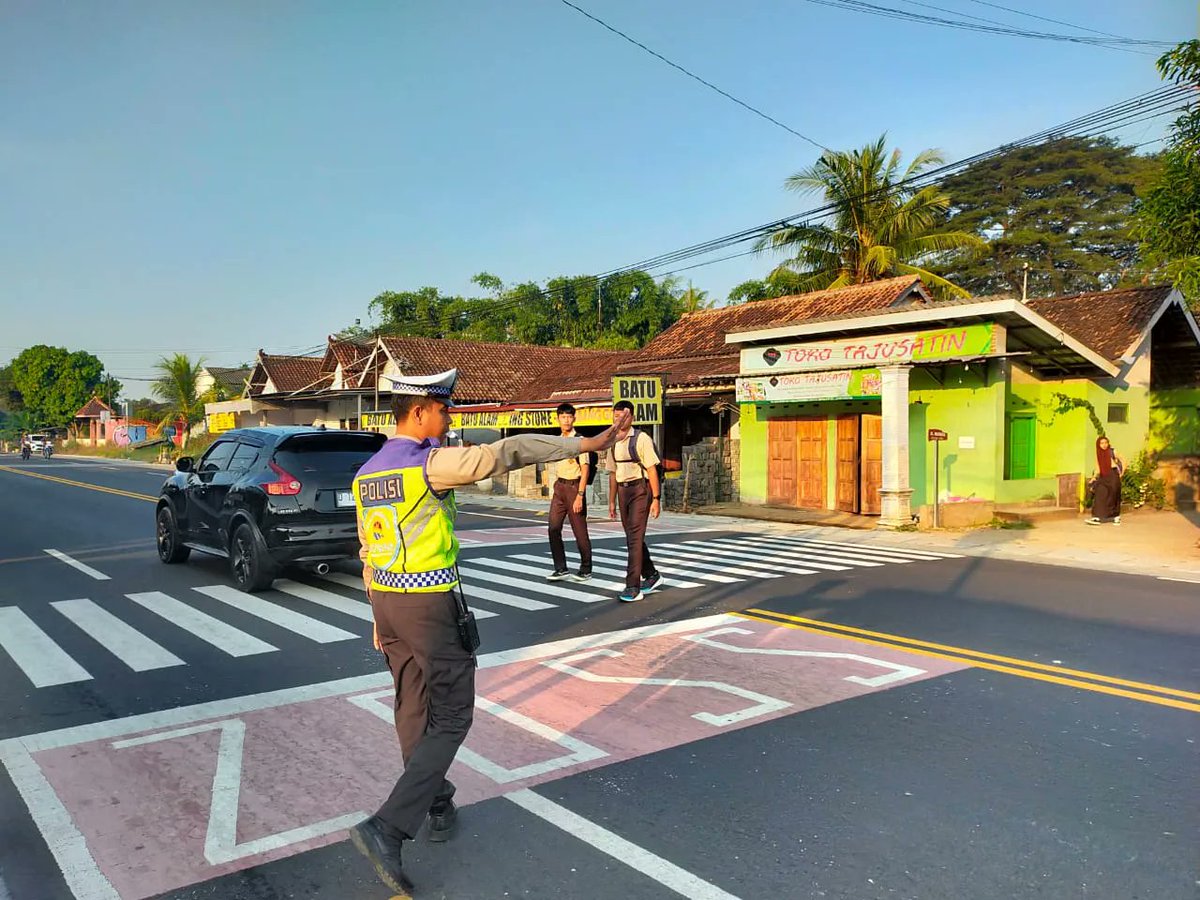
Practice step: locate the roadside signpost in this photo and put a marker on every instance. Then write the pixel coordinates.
(936, 435)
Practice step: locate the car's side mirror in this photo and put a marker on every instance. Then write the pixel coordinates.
(183, 464)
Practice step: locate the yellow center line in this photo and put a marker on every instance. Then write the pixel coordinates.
(963, 651)
(980, 664)
(82, 484)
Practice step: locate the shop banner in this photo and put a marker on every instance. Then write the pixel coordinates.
(646, 395)
(978, 339)
(845, 384)
(221, 422)
(382, 420)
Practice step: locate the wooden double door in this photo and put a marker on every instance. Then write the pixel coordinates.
(797, 462)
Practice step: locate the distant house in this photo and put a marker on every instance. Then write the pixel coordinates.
(230, 383)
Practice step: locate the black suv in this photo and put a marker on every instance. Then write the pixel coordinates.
(266, 498)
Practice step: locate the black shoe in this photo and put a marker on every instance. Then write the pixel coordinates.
(383, 850)
(583, 575)
(442, 819)
(558, 575)
(649, 584)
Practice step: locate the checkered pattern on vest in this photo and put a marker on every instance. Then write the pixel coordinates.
(408, 580)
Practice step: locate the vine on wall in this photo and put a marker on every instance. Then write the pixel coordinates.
(1060, 404)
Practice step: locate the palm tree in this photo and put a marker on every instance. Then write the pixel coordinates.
(693, 300)
(881, 225)
(176, 386)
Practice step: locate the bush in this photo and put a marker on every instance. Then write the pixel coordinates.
(1139, 487)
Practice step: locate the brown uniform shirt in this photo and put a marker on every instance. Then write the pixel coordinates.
(451, 467)
(571, 468)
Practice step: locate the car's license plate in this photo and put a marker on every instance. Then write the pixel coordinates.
(345, 498)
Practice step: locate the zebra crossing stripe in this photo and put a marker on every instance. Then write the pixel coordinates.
(876, 548)
(328, 599)
(846, 552)
(541, 572)
(759, 566)
(693, 572)
(303, 625)
(693, 557)
(124, 641)
(43, 661)
(667, 582)
(471, 592)
(555, 590)
(76, 564)
(781, 556)
(210, 630)
(819, 556)
(350, 581)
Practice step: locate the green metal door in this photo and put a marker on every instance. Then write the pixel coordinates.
(1020, 447)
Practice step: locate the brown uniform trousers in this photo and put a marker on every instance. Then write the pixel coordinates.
(434, 679)
(633, 501)
(562, 507)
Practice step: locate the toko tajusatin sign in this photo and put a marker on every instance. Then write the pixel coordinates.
(964, 341)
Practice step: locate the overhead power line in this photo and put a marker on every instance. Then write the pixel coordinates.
(1153, 104)
(1021, 12)
(891, 12)
(690, 74)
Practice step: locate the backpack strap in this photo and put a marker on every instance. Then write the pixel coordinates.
(633, 452)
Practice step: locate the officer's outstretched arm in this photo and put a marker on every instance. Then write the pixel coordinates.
(451, 467)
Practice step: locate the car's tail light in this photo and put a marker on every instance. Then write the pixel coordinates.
(285, 484)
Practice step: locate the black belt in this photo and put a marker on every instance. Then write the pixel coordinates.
(621, 484)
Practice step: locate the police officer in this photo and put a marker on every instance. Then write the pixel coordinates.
(406, 512)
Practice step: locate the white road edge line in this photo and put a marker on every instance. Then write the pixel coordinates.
(1182, 580)
(637, 858)
(76, 564)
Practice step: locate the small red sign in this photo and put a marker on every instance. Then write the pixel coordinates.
(936, 434)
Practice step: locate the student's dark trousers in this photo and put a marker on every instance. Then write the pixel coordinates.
(633, 500)
(434, 678)
(562, 506)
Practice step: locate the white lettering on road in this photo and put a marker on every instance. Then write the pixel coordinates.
(76, 564)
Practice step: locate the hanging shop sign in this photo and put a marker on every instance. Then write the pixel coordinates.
(843, 384)
(221, 422)
(383, 420)
(964, 341)
(644, 393)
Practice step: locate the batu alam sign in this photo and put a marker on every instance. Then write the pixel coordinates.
(940, 345)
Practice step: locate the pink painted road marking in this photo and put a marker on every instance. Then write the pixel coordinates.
(163, 809)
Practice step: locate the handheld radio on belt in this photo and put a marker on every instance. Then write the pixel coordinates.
(464, 619)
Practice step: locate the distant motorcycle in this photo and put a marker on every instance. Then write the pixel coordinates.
(47, 451)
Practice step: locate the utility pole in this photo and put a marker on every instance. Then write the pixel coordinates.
(1024, 281)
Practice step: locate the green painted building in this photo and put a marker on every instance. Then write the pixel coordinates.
(872, 398)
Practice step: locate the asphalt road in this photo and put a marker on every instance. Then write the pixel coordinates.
(790, 718)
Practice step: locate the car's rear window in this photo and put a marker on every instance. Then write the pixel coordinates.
(330, 452)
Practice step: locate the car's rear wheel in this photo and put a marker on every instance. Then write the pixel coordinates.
(249, 561)
(171, 549)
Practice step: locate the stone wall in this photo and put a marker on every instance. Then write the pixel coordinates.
(1181, 474)
(709, 475)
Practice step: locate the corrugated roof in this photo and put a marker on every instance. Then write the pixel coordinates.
(230, 379)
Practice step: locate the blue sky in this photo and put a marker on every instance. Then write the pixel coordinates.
(218, 177)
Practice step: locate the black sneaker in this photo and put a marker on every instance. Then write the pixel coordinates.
(649, 584)
(583, 575)
(383, 850)
(442, 819)
(559, 575)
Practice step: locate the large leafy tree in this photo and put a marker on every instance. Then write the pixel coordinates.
(1062, 208)
(176, 386)
(1167, 222)
(55, 382)
(881, 225)
(10, 398)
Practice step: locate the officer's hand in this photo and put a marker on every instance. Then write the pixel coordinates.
(654, 508)
(603, 441)
(375, 637)
(577, 506)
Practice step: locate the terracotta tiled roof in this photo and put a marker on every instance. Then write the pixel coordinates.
(93, 408)
(587, 376)
(1107, 321)
(292, 374)
(487, 372)
(703, 333)
(351, 355)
